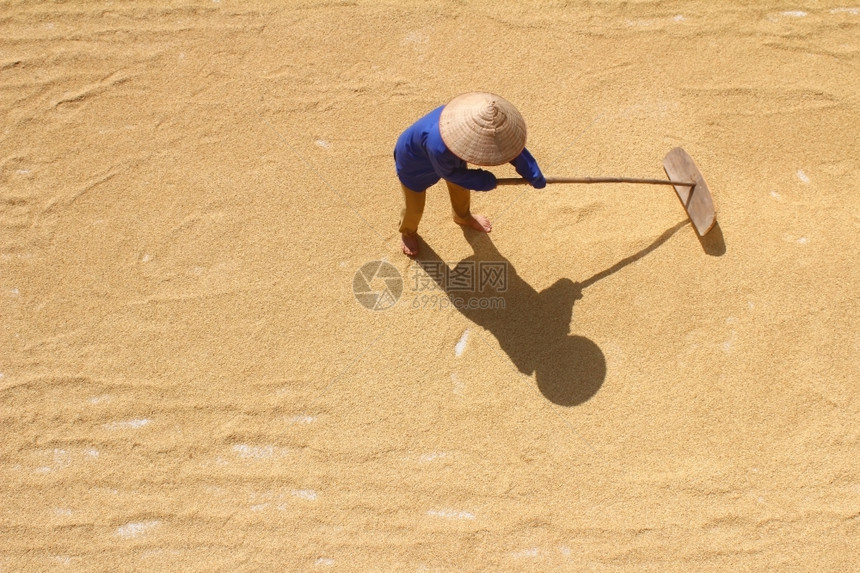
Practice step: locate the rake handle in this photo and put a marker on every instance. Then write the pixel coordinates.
(520, 181)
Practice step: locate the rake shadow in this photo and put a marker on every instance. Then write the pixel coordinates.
(714, 243)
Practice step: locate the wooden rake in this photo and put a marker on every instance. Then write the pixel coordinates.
(684, 177)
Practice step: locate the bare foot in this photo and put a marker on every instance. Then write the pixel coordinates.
(477, 222)
(410, 245)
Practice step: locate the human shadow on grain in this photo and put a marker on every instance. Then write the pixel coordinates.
(533, 328)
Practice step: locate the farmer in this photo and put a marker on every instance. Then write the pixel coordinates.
(479, 128)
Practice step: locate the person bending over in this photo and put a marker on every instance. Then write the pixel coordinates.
(480, 128)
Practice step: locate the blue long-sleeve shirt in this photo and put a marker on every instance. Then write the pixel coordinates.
(422, 159)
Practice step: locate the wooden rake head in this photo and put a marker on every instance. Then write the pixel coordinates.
(696, 199)
(684, 177)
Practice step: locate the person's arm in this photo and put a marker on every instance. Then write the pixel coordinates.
(528, 169)
(450, 168)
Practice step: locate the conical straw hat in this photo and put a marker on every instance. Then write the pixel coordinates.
(483, 128)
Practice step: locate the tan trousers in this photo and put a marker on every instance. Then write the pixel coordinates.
(414, 206)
